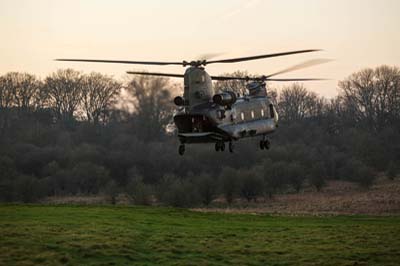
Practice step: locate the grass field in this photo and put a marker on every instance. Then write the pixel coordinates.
(91, 235)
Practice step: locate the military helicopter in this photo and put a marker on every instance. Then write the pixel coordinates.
(204, 116)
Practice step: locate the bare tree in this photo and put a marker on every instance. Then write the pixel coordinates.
(26, 86)
(237, 86)
(296, 103)
(6, 92)
(99, 93)
(272, 95)
(6, 101)
(152, 103)
(19, 90)
(373, 95)
(41, 97)
(64, 89)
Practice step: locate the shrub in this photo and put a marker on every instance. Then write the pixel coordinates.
(206, 187)
(318, 175)
(275, 176)
(7, 168)
(392, 170)
(139, 191)
(89, 177)
(181, 193)
(296, 175)
(111, 190)
(228, 183)
(27, 189)
(251, 184)
(356, 171)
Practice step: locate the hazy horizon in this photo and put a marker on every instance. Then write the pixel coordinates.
(357, 34)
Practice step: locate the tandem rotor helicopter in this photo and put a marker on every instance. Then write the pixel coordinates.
(204, 116)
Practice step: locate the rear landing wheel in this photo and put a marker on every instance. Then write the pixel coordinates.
(217, 147)
(262, 144)
(266, 144)
(181, 149)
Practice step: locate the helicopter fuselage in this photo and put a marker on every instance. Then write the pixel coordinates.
(203, 120)
(209, 122)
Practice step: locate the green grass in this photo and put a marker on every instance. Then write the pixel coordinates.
(90, 235)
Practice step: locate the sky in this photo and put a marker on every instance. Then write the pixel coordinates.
(355, 33)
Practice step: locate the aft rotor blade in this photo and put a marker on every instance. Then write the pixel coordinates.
(156, 74)
(240, 59)
(262, 78)
(121, 62)
(294, 79)
(305, 64)
(230, 78)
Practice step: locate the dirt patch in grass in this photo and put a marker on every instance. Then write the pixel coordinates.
(338, 197)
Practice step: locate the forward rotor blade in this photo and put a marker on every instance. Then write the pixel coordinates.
(156, 74)
(208, 56)
(240, 59)
(305, 64)
(121, 62)
(186, 63)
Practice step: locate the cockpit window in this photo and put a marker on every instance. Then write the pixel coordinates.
(199, 94)
(200, 79)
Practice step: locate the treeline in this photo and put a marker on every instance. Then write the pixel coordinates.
(86, 134)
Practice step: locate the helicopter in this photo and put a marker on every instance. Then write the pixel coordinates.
(204, 116)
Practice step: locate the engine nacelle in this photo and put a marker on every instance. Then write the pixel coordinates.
(179, 101)
(225, 98)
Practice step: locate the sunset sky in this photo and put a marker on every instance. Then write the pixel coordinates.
(356, 33)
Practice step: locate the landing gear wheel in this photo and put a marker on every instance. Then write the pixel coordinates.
(231, 147)
(181, 149)
(262, 144)
(222, 146)
(266, 144)
(217, 147)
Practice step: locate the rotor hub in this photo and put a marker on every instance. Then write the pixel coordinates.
(194, 63)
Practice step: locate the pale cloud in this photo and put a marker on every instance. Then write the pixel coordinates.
(245, 5)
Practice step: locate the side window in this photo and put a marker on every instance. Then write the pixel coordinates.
(271, 111)
(262, 112)
(252, 114)
(221, 114)
(242, 115)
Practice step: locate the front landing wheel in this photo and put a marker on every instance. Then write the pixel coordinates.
(222, 146)
(262, 144)
(231, 147)
(266, 144)
(217, 147)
